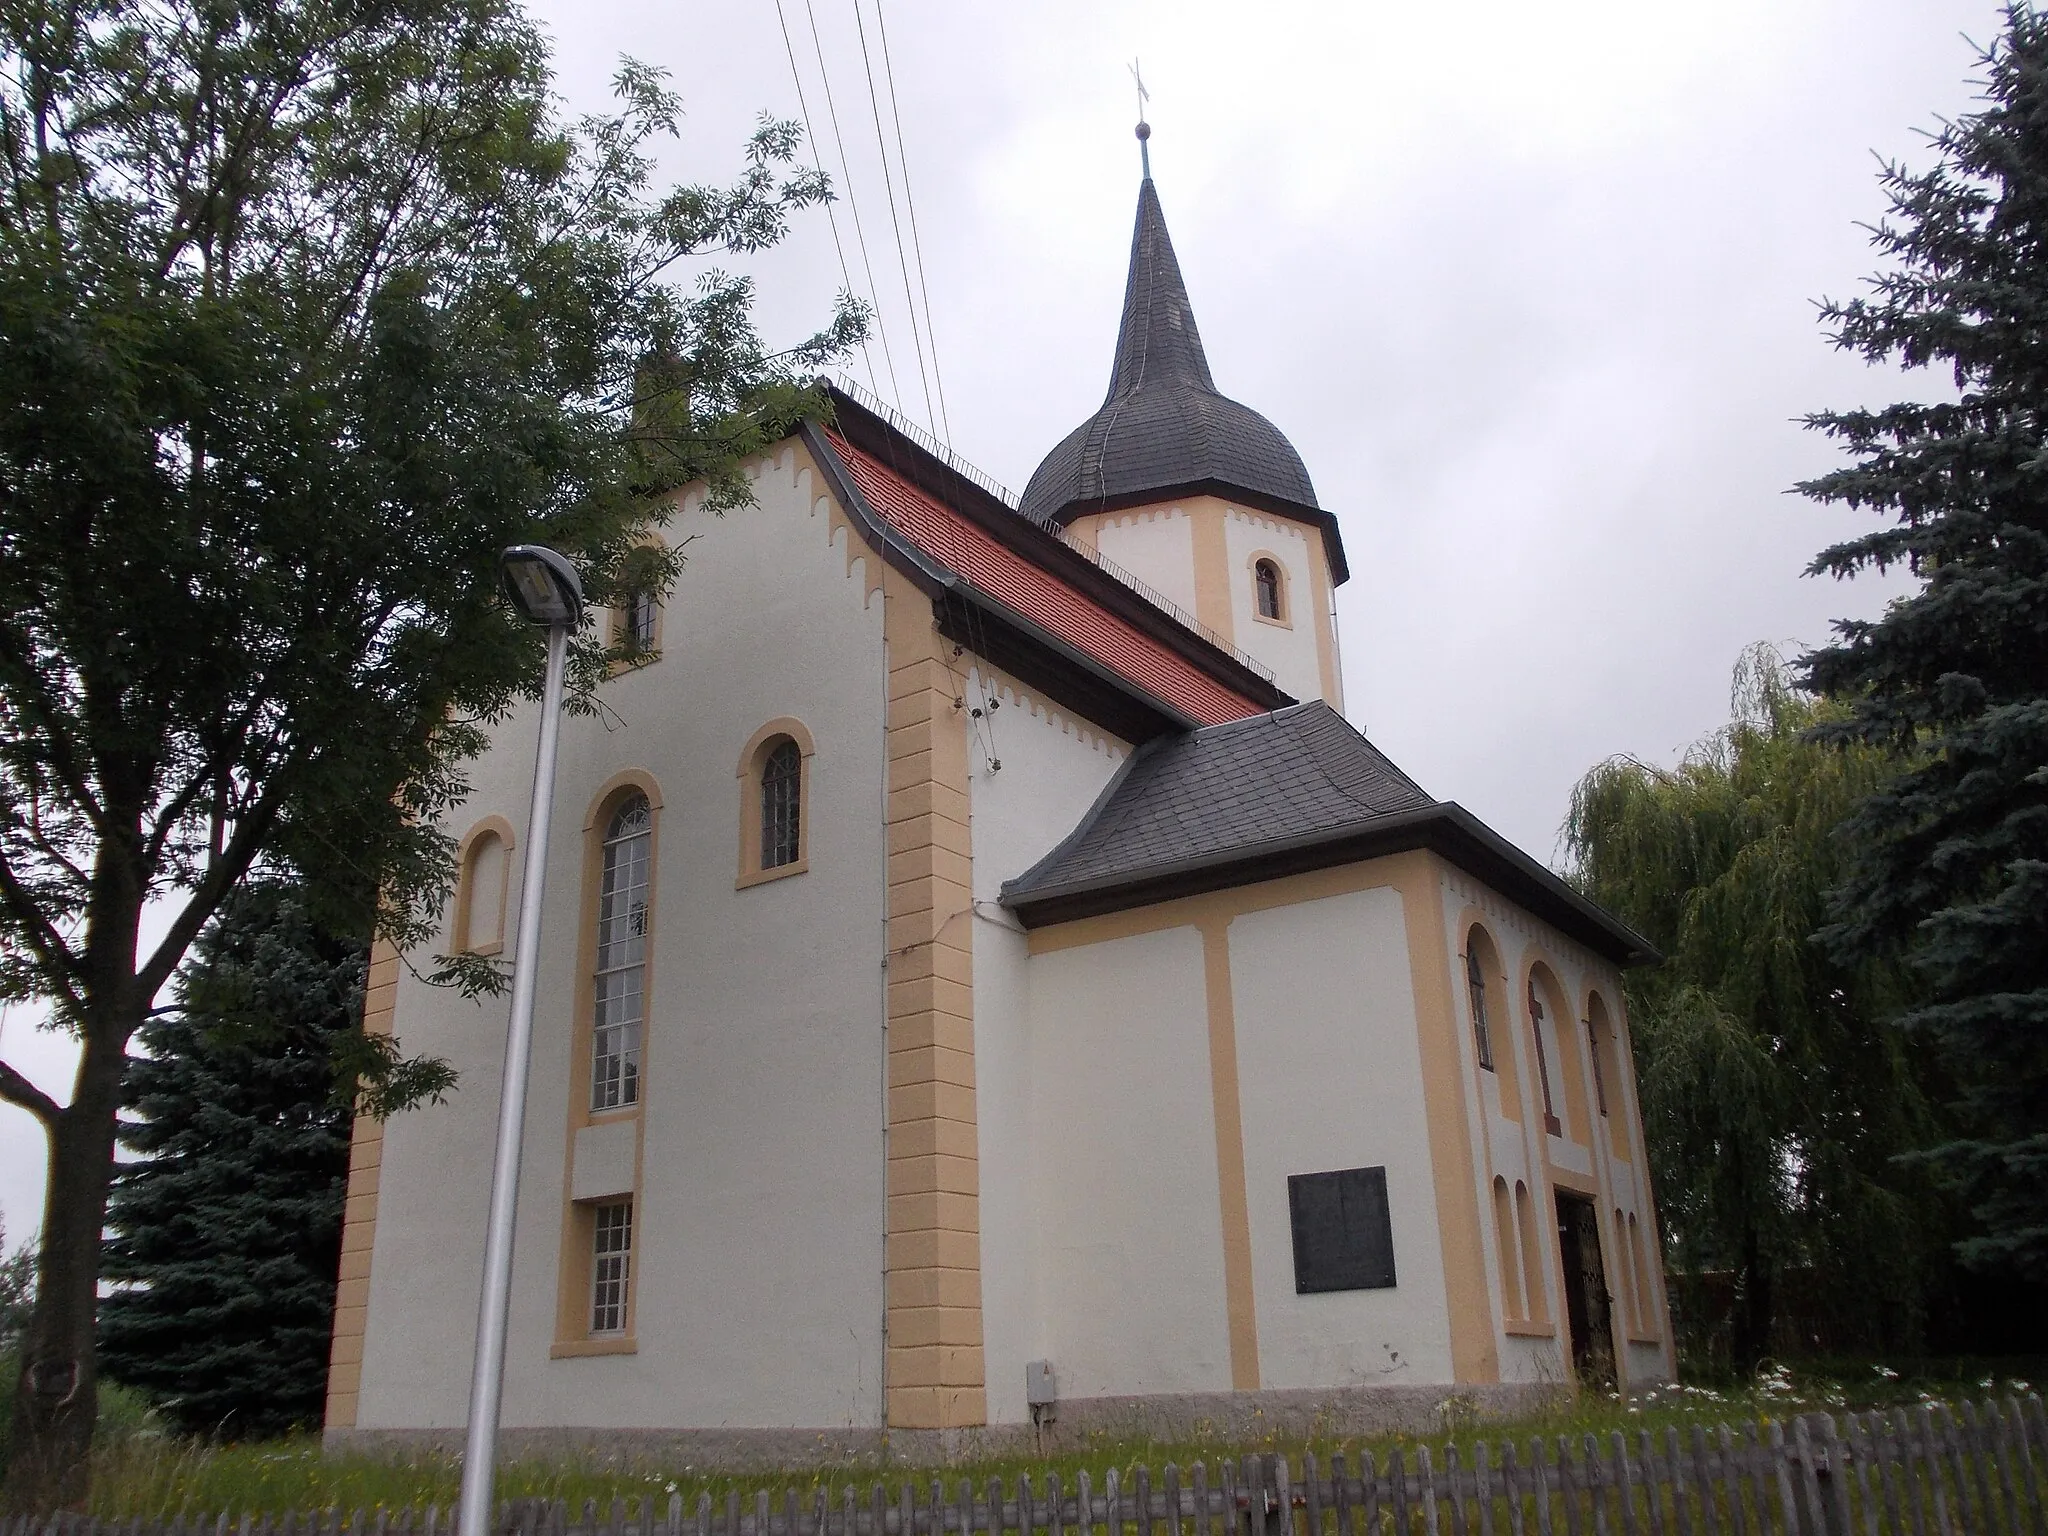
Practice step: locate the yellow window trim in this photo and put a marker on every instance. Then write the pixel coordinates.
(753, 759)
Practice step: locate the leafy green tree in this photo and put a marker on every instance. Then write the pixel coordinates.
(1952, 855)
(307, 309)
(1775, 1099)
(17, 1291)
(228, 1228)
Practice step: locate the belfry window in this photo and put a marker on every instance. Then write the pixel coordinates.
(782, 785)
(1266, 579)
(620, 988)
(1475, 986)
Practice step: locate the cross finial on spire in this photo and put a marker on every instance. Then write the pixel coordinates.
(1144, 128)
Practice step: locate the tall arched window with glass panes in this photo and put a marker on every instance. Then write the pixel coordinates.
(620, 988)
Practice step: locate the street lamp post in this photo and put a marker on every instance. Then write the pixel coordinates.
(543, 587)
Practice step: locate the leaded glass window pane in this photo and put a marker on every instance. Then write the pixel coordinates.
(620, 982)
(782, 805)
(611, 1262)
(640, 612)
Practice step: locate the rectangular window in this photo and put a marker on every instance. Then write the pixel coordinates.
(1343, 1234)
(1475, 987)
(611, 1266)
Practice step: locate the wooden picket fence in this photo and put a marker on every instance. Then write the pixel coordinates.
(1928, 1471)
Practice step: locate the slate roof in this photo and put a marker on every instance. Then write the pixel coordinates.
(1164, 427)
(1271, 795)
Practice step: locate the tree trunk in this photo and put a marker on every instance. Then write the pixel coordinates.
(56, 1399)
(1756, 1307)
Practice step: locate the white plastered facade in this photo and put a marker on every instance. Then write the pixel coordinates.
(758, 1161)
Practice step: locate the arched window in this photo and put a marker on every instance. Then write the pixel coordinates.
(1550, 1120)
(1532, 1256)
(1645, 1325)
(1475, 989)
(782, 798)
(1599, 1072)
(620, 982)
(775, 791)
(637, 623)
(1266, 580)
(482, 880)
(1510, 1260)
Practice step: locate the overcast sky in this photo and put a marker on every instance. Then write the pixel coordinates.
(1530, 288)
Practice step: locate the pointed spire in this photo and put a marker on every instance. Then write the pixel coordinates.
(1157, 342)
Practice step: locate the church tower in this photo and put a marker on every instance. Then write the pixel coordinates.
(1195, 494)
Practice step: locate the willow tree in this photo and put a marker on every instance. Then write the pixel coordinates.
(1776, 1100)
(307, 309)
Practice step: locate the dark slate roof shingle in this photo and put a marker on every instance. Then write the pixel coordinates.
(1272, 795)
(1164, 425)
(1247, 784)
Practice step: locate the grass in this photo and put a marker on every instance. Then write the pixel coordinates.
(140, 1471)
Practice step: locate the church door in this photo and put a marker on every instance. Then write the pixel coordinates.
(1587, 1303)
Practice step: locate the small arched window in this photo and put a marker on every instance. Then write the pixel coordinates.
(1475, 987)
(782, 800)
(1510, 1260)
(1645, 1315)
(1266, 579)
(620, 982)
(1536, 1299)
(480, 895)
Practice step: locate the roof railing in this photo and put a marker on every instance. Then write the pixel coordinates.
(926, 441)
(946, 456)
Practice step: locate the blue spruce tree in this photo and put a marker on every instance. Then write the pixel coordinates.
(1950, 860)
(226, 1233)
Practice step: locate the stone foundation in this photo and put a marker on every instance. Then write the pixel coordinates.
(1231, 1421)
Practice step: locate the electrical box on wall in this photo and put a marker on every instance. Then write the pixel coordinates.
(1041, 1391)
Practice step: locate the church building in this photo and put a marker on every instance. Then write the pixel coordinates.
(985, 979)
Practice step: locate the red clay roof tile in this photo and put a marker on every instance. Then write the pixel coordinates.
(956, 543)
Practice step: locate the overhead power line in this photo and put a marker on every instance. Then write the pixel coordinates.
(853, 202)
(917, 244)
(895, 224)
(831, 218)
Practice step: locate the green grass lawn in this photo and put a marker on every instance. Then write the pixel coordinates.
(141, 1472)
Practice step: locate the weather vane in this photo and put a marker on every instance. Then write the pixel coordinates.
(1144, 128)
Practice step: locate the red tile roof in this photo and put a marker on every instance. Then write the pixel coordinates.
(955, 542)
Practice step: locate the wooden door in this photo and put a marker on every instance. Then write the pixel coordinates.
(1587, 1304)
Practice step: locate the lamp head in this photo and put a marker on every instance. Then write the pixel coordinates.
(542, 585)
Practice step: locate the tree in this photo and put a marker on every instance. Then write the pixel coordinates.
(307, 309)
(228, 1229)
(1952, 854)
(1775, 1100)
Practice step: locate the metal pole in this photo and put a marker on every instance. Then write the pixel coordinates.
(486, 1388)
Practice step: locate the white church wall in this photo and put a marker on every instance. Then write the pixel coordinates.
(758, 1226)
(1053, 768)
(1128, 1213)
(1288, 647)
(1157, 545)
(1330, 1077)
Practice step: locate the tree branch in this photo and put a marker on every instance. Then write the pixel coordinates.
(19, 1091)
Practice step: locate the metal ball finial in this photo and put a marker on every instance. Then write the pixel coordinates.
(1144, 130)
